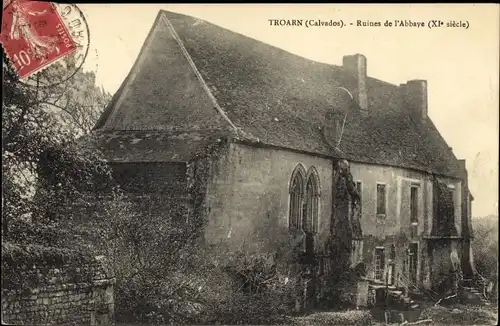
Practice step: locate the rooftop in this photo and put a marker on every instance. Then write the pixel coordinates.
(194, 77)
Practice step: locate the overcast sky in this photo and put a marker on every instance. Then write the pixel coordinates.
(460, 65)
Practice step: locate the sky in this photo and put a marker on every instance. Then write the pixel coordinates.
(460, 65)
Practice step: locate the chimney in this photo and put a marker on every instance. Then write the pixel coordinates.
(356, 63)
(415, 97)
(463, 169)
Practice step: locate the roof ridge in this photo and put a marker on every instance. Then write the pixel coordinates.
(198, 74)
(163, 11)
(122, 91)
(274, 97)
(336, 66)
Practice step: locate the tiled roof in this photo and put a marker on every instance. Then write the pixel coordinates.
(264, 94)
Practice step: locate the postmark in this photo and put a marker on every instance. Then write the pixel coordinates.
(47, 43)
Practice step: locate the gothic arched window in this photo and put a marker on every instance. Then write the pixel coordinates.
(310, 221)
(296, 197)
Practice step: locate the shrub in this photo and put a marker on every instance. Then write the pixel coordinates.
(166, 274)
(25, 266)
(460, 315)
(485, 246)
(349, 317)
(207, 293)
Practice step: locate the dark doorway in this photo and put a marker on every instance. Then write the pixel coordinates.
(391, 279)
(413, 262)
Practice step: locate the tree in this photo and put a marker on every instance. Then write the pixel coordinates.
(485, 246)
(51, 179)
(43, 166)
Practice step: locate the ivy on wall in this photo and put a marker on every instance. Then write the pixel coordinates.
(25, 267)
(346, 228)
(444, 211)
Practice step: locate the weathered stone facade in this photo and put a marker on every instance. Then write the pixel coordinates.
(396, 227)
(248, 196)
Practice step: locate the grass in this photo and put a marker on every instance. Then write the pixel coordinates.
(348, 317)
(436, 315)
(461, 315)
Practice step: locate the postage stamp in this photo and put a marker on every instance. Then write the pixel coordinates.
(36, 35)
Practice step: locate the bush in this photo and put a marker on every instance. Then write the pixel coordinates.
(349, 317)
(485, 246)
(207, 293)
(24, 266)
(264, 291)
(166, 274)
(460, 315)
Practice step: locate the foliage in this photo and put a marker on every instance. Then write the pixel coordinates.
(165, 275)
(460, 315)
(341, 290)
(25, 266)
(41, 165)
(46, 174)
(485, 246)
(348, 317)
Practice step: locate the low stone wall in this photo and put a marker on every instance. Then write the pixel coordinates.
(67, 294)
(67, 303)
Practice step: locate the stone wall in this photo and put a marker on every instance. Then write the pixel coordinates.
(248, 196)
(64, 295)
(395, 228)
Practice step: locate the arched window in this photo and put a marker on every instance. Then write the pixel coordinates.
(310, 221)
(296, 197)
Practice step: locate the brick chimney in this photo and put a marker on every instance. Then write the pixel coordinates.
(463, 168)
(415, 99)
(356, 64)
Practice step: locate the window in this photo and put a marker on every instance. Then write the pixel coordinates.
(379, 263)
(359, 188)
(310, 208)
(452, 192)
(381, 198)
(296, 192)
(304, 200)
(310, 218)
(414, 204)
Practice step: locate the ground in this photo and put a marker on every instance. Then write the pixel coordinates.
(431, 315)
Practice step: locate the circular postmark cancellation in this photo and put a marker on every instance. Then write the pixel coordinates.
(46, 43)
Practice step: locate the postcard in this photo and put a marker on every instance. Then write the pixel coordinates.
(304, 164)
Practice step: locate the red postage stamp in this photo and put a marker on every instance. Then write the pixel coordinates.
(34, 35)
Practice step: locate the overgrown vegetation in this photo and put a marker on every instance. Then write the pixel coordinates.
(25, 267)
(460, 315)
(42, 168)
(52, 211)
(485, 248)
(348, 317)
(43, 173)
(164, 275)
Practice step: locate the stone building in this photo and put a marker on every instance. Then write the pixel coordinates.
(256, 140)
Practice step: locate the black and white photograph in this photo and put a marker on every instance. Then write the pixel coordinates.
(249, 164)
